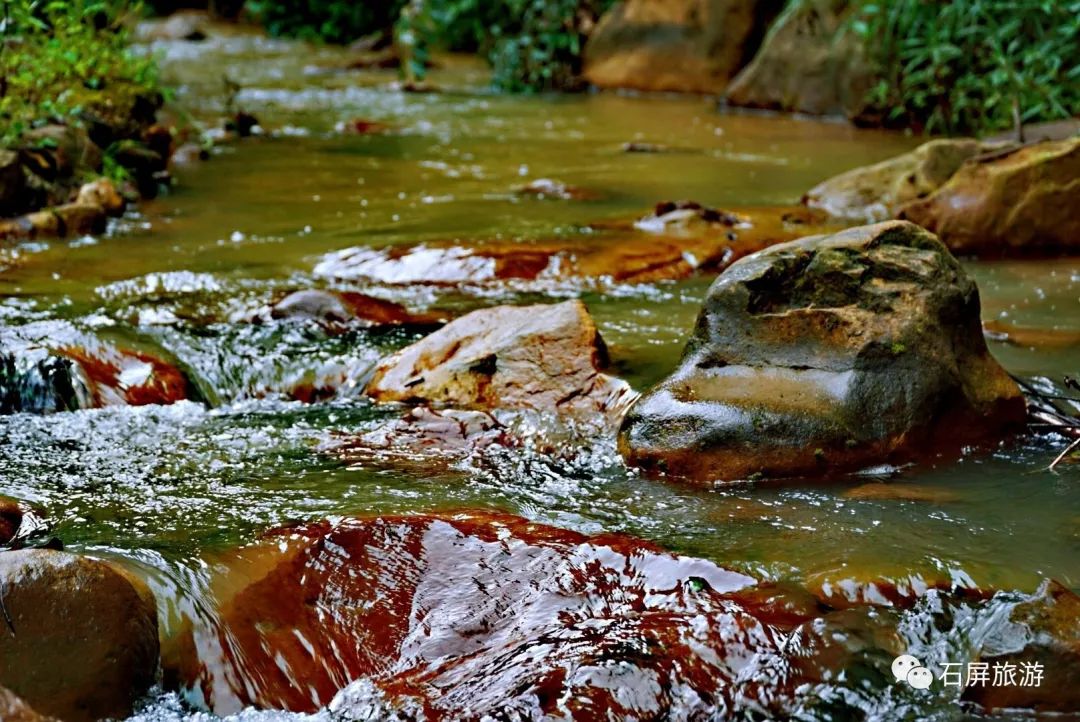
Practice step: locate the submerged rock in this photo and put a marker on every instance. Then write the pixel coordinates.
(347, 307)
(877, 192)
(1020, 201)
(470, 616)
(544, 358)
(694, 46)
(547, 188)
(82, 641)
(806, 64)
(828, 354)
(675, 241)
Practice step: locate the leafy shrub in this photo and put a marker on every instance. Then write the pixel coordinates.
(59, 59)
(960, 66)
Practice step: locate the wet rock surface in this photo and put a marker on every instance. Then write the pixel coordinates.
(826, 354)
(474, 614)
(79, 640)
(676, 240)
(89, 375)
(14, 709)
(804, 66)
(543, 357)
(1015, 202)
(341, 308)
(694, 46)
(1044, 633)
(878, 192)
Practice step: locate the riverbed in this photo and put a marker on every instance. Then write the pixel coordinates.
(164, 488)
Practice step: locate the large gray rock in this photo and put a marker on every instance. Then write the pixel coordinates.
(693, 46)
(826, 354)
(82, 642)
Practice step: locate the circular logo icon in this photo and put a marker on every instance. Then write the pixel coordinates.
(902, 665)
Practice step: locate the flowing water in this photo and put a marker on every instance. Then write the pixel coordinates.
(162, 487)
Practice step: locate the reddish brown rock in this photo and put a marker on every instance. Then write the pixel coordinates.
(671, 245)
(11, 515)
(122, 376)
(347, 307)
(469, 615)
(902, 492)
(545, 358)
(14, 709)
(1016, 202)
(82, 641)
(1043, 635)
(694, 46)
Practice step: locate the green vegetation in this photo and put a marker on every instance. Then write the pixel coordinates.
(531, 44)
(59, 60)
(963, 66)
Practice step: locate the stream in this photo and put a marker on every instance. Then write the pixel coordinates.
(164, 489)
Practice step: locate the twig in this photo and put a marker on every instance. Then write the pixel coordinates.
(1068, 449)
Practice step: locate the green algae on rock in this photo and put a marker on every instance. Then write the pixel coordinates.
(828, 354)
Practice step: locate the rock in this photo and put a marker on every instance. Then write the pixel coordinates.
(85, 642)
(11, 514)
(827, 354)
(1021, 201)
(103, 193)
(424, 439)
(243, 124)
(68, 148)
(361, 126)
(13, 189)
(694, 46)
(14, 709)
(670, 246)
(479, 615)
(877, 192)
(88, 375)
(805, 65)
(638, 146)
(190, 25)
(117, 376)
(144, 165)
(545, 358)
(66, 221)
(1043, 630)
(1038, 338)
(878, 491)
(848, 587)
(346, 307)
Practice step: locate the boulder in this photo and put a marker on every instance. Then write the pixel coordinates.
(545, 358)
(66, 221)
(1020, 201)
(877, 192)
(68, 148)
(480, 615)
(694, 46)
(82, 642)
(807, 64)
(827, 354)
